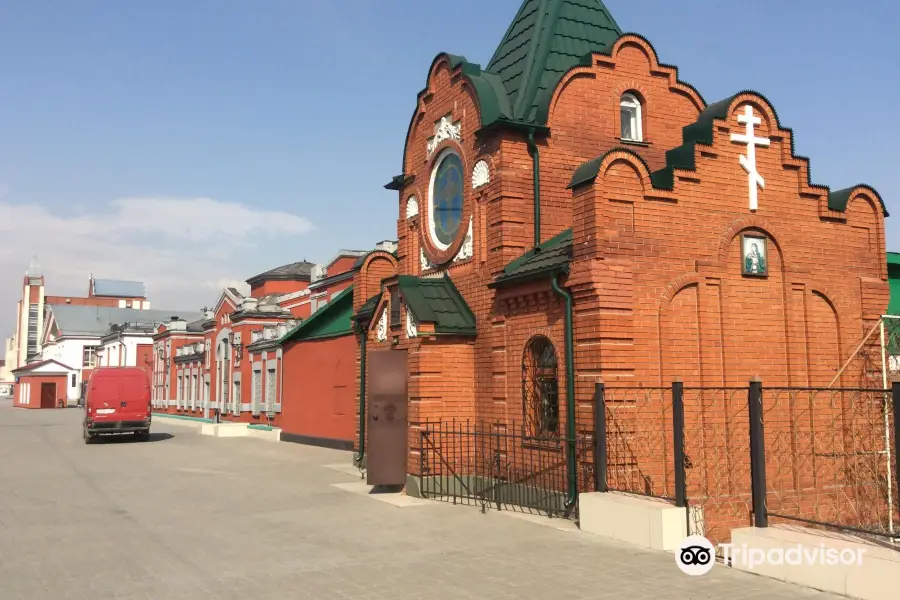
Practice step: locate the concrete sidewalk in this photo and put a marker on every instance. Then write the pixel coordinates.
(184, 517)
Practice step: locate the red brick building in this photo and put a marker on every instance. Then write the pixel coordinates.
(229, 364)
(574, 211)
(319, 359)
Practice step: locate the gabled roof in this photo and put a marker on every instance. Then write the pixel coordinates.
(367, 310)
(546, 39)
(437, 301)
(552, 256)
(344, 253)
(40, 365)
(332, 320)
(95, 321)
(118, 289)
(298, 271)
(228, 294)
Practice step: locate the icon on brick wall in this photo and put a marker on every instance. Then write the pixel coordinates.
(754, 251)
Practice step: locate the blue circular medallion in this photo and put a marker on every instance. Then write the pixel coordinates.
(447, 199)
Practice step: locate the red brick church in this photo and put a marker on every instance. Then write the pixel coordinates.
(574, 211)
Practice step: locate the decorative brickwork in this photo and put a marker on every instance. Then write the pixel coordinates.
(659, 248)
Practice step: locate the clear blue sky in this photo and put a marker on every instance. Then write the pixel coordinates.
(293, 107)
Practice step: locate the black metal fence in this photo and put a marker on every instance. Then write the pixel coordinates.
(495, 465)
(731, 456)
(735, 456)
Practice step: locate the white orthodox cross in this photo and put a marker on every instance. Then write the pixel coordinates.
(749, 161)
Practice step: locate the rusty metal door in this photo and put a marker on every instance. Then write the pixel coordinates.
(387, 421)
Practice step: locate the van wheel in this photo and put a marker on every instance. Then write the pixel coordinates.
(88, 438)
(142, 436)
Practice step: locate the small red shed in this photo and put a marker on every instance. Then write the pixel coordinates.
(42, 384)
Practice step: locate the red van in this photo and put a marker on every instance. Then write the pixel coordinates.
(117, 401)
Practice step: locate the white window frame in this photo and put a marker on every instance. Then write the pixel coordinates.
(91, 353)
(630, 104)
(437, 163)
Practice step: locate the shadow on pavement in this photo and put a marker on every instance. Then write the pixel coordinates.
(128, 438)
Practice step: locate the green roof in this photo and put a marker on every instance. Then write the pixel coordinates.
(838, 200)
(698, 132)
(437, 301)
(367, 310)
(331, 320)
(893, 259)
(552, 256)
(683, 157)
(546, 39)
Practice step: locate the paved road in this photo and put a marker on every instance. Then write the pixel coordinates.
(186, 516)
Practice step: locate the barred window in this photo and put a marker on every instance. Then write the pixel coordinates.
(540, 387)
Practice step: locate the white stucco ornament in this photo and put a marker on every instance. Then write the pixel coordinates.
(412, 207)
(465, 251)
(444, 129)
(381, 332)
(748, 161)
(423, 260)
(481, 175)
(412, 327)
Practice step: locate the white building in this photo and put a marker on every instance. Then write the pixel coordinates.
(74, 335)
(128, 345)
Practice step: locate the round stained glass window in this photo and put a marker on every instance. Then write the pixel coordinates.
(446, 199)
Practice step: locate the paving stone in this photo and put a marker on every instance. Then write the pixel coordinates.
(188, 516)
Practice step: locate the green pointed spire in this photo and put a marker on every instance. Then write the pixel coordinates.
(546, 39)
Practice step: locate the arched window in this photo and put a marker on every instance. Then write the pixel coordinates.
(540, 387)
(630, 109)
(445, 199)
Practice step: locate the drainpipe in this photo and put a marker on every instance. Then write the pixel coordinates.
(362, 397)
(570, 395)
(536, 171)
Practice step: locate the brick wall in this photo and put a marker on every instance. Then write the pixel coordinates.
(656, 275)
(319, 397)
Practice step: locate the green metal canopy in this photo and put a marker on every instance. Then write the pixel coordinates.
(437, 301)
(552, 256)
(331, 320)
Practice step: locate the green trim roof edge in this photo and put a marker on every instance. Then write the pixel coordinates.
(367, 310)
(296, 333)
(510, 275)
(700, 132)
(893, 258)
(410, 284)
(588, 171)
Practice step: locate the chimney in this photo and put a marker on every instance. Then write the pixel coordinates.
(176, 323)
